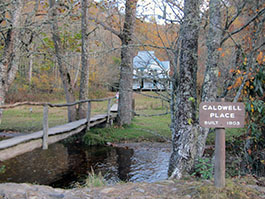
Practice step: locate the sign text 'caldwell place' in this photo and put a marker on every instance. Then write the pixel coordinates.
(222, 115)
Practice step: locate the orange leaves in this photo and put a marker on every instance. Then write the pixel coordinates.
(238, 82)
(230, 87)
(249, 151)
(247, 83)
(219, 50)
(260, 58)
(231, 71)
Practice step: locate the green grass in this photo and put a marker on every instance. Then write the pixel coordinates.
(20, 119)
(142, 128)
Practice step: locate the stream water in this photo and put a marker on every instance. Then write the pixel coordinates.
(63, 165)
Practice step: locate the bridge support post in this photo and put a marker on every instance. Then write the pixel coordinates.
(108, 112)
(45, 128)
(88, 115)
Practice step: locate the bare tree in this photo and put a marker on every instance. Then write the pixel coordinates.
(83, 91)
(126, 68)
(11, 52)
(64, 72)
(126, 73)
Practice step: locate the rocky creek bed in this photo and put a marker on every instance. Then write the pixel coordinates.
(167, 189)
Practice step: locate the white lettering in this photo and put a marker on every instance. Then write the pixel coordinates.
(222, 115)
(233, 123)
(211, 122)
(204, 107)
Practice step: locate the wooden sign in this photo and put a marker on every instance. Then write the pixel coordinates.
(222, 115)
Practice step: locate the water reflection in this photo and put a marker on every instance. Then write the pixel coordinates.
(65, 164)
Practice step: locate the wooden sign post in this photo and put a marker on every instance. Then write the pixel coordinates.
(221, 115)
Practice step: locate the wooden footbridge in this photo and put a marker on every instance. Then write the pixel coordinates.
(21, 144)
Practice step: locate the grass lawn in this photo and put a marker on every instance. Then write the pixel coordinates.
(27, 119)
(21, 119)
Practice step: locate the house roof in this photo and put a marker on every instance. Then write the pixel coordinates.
(146, 59)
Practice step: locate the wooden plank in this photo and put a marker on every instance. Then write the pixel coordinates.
(114, 108)
(98, 122)
(52, 131)
(108, 111)
(22, 144)
(45, 128)
(88, 115)
(16, 150)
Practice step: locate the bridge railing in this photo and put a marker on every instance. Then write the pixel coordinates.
(46, 106)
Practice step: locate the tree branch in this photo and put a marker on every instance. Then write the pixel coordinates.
(118, 34)
(261, 12)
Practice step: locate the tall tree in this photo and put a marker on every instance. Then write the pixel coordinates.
(126, 67)
(126, 73)
(11, 51)
(209, 89)
(185, 130)
(83, 91)
(59, 52)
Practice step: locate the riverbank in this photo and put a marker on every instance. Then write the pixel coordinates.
(167, 189)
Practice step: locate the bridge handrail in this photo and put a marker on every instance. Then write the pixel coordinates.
(53, 105)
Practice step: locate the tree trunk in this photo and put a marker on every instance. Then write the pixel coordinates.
(64, 73)
(209, 89)
(126, 73)
(185, 129)
(83, 92)
(11, 53)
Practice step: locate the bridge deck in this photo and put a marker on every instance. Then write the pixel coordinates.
(21, 144)
(52, 131)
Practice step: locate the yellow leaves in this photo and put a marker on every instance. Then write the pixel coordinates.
(245, 61)
(190, 121)
(252, 108)
(251, 98)
(263, 162)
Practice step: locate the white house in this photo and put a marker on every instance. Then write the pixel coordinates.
(149, 73)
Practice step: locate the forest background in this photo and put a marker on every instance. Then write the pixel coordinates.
(55, 48)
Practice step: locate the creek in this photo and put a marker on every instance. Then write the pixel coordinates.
(64, 164)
